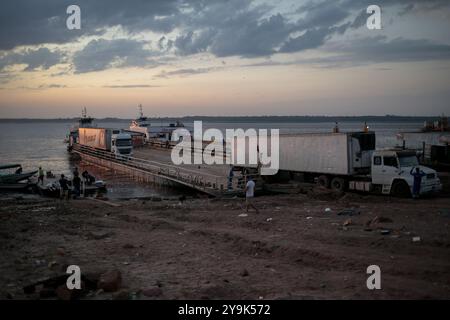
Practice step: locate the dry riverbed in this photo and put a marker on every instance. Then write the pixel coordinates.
(298, 247)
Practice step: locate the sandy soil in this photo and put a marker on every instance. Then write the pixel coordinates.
(203, 249)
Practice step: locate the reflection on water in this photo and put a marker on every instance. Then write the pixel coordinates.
(120, 185)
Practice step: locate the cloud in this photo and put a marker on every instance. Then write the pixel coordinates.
(24, 22)
(102, 54)
(249, 29)
(311, 39)
(32, 58)
(130, 86)
(185, 72)
(365, 51)
(52, 86)
(380, 49)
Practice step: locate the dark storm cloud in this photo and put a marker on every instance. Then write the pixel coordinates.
(312, 38)
(365, 51)
(103, 54)
(222, 28)
(232, 28)
(24, 22)
(38, 58)
(380, 49)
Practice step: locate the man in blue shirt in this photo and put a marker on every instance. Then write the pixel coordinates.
(417, 174)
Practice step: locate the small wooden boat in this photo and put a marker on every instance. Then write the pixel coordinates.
(16, 176)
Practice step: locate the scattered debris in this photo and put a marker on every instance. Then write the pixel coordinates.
(373, 223)
(110, 281)
(99, 235)
(244, 273)
(378, 219)
(347, 222)
(349, 212)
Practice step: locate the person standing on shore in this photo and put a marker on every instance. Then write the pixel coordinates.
(418, 175)
(41, 176)
(230, 177)
(76, 182)
(64, 188)
(250, 195)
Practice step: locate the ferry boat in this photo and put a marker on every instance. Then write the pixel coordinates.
(441, 125)
(84, 122)
(162, 132)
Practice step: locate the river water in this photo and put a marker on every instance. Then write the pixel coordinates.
(35, 144)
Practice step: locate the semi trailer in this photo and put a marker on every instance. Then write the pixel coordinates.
(350, 161)
(112, 140)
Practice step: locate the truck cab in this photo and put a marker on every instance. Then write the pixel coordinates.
(391, 170)
(121, 144)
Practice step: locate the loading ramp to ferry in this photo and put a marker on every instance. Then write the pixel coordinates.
(152, 165)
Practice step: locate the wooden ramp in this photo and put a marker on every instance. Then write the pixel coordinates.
(155, 165)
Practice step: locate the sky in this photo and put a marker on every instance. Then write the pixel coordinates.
(224, 58)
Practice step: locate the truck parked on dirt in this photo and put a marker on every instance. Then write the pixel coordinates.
(112, 140)
(349, 161)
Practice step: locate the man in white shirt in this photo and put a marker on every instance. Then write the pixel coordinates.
(250, 195)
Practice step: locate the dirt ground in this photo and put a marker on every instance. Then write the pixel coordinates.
(295, 248)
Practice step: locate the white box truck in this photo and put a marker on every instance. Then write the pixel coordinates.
(112, 140)
(349, 161)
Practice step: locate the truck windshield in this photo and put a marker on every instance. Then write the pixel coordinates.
(408, 161)
(123, 142)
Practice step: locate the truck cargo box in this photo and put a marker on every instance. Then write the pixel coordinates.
(321, 153)
(99, 138)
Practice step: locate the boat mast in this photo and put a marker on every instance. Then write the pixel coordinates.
(141, 113)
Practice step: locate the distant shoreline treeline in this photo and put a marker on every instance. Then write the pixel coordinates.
(249, 119)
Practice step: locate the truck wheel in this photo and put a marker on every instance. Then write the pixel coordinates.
(323, 181)
(338, 184)
(401, 189)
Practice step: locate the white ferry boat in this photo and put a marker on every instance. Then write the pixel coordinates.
(152, 131)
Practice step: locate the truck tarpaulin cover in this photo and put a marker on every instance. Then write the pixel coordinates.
(93, 137)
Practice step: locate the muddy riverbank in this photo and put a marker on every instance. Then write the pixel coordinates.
(314, 246)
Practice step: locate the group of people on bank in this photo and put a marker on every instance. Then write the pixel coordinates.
(70, 187)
